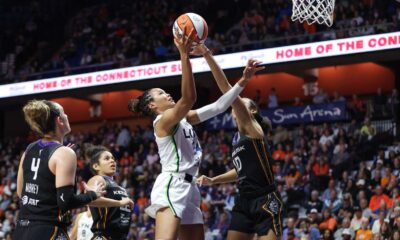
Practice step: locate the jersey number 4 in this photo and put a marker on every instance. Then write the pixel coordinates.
(35, 167)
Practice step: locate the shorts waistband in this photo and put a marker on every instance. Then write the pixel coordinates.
(185, 176)
(258, 192)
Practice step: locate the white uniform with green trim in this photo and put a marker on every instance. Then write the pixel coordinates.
(179, 153)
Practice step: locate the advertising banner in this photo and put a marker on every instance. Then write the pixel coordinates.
(314, 113)
(267, 56)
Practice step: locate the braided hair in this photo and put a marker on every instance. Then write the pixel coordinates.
(141, 104)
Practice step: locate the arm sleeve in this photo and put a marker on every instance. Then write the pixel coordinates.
(223, 103)
(67, 199)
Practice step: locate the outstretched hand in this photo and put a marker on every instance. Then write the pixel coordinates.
(127, 201)
(99, 188)
(204, 181)
(251, 68)
(199, 50)
(183, 43)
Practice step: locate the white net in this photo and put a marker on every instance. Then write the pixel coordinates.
(320, 11)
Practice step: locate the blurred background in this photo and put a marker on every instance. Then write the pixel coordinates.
(334, 108)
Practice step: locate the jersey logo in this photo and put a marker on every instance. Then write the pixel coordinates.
(238, 150)
(24, 200)
(189, 133)
(30, 201)
(62, 197)
(61, 237)
(274, 206)
(120, 192)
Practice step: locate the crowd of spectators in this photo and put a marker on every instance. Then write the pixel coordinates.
(334, 178)
(18, 43)
(126, 33)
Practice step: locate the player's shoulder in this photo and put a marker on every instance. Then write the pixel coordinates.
(64, 155)
(96, 178)
(67, 151)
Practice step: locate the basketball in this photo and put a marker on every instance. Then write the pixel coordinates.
(192, 21)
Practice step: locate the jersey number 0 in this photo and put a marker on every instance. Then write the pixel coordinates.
(237, 163)
(35, 167)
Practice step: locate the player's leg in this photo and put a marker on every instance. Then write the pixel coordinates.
(167, 224)
(241, 226)
(192, 224)
(168, 198)
(191, 232)
(235, 235)
(270, 236)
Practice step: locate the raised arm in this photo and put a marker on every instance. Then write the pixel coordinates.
(188, 89)
(242, 113)
(217, 107)
(216, 71)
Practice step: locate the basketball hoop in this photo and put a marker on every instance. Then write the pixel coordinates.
(320, 11)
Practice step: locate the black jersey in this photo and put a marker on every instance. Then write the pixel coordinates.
(112, 222)
(39, 193)
(252, 161)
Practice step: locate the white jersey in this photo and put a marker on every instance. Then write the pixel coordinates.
(84, 224)
(180, 152)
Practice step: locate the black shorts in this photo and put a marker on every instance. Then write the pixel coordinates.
(258, 214)
(99, 237)
(26, 230)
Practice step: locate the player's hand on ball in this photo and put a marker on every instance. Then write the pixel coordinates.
(199, 50)
(99, 188)
(251, 68)
(184, 44)
(127, 201)
(204, 180)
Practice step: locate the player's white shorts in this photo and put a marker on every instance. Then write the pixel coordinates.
(183, 198)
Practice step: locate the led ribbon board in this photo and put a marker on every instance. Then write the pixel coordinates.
(314, 50)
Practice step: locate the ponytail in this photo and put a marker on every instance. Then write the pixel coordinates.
(141, 104)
